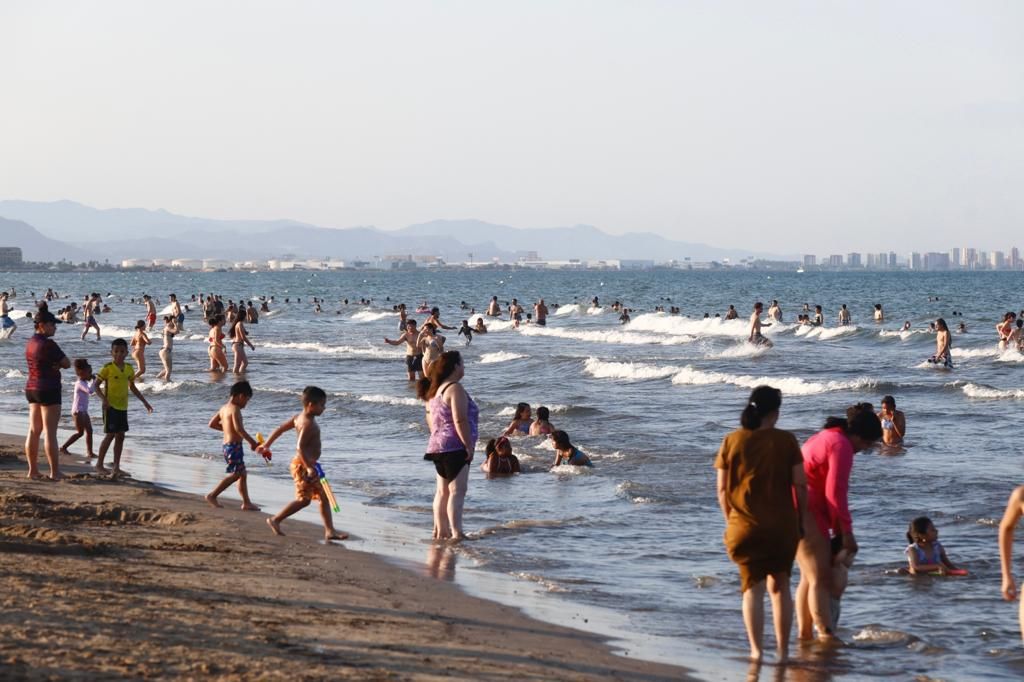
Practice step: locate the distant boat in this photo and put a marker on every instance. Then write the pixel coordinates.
(799, 271)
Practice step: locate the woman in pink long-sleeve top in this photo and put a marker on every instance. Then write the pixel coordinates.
(828, 545)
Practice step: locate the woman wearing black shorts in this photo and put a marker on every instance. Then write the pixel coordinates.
(42, 390)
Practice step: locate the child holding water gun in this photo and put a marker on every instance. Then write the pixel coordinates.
(304, 465)
(925, 553)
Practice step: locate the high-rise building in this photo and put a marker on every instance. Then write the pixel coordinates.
(872, 262)
(956, 257)
(810, 261)
(1015, 263)
(892, 260)
(997, 260)
(881, 261)
(935, 261)
(969, 259)
(853, 260)
(835, 261)
(914, 261)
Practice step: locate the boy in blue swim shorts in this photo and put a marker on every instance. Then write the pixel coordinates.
(229, 420)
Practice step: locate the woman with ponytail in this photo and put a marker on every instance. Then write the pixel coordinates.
(828, 546)
(762, 493)
(452, 420)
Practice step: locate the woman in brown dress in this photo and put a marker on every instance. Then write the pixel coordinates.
(763, 492)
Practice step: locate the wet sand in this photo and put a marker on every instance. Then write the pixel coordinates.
(119, 580)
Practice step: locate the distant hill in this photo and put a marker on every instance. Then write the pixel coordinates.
(141, 233)
(73, 222)
(580, 241)
(36, 246)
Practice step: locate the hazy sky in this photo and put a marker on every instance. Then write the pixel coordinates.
(785, 126)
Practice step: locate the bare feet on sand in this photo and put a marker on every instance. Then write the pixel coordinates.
(64, 451)
(335, 535)
(247, 506)
(55, 477)
(212, 501)
(102, 469)
(35, 476)
(274, 526)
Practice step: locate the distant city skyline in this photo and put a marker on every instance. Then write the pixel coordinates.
(784, 127)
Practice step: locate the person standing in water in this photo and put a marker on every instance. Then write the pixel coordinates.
(828, 546)
(540, 313)
(943, 345)
(452, 418)
(894, 422)
(760, 475)
(1012, 515)
(170, 331)
(413, 356)
(844, 315)
(755, 327)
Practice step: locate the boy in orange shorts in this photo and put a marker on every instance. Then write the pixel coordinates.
(303, 466)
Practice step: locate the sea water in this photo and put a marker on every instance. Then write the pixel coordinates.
(639, 535)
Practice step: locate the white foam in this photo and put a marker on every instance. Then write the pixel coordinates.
(826, 333)
(390, 400)
(571, 470)
(601, 369)
(317, 347)
(595, 311)
(157, 386)
(566, 310)
(901, 334)
(688, 376)
(624, 337)
(500, 356)
(493, 324)
(742, 350)
(975, 352)
(371, 316)
(1010, 355)
(13, 374)
(685, 326)
(987, 393)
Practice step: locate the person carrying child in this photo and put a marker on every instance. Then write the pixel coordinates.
(303, 466)
(85, 386)
(116, 379)
(229, 420)
(925, 553)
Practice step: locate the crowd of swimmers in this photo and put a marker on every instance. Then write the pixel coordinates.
(774, 494)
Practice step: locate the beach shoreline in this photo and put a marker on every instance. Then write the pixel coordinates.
(129, 579)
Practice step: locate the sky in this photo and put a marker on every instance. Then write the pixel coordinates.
(815, 127)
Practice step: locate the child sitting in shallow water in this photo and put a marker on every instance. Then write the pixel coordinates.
(565, 450)
(500, 459)
(925, 553)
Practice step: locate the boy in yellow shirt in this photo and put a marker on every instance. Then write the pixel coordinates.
(114, 381)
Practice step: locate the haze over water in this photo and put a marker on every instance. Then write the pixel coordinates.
(640, 533)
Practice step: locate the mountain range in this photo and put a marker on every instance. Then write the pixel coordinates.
(66, 229)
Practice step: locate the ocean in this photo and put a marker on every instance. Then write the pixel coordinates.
(638, 536)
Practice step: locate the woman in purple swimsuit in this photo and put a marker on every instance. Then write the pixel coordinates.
(452, 420)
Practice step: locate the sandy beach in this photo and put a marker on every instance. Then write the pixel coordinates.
(127, 580)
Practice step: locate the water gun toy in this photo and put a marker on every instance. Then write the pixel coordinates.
(266, 453)
(327, 488)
